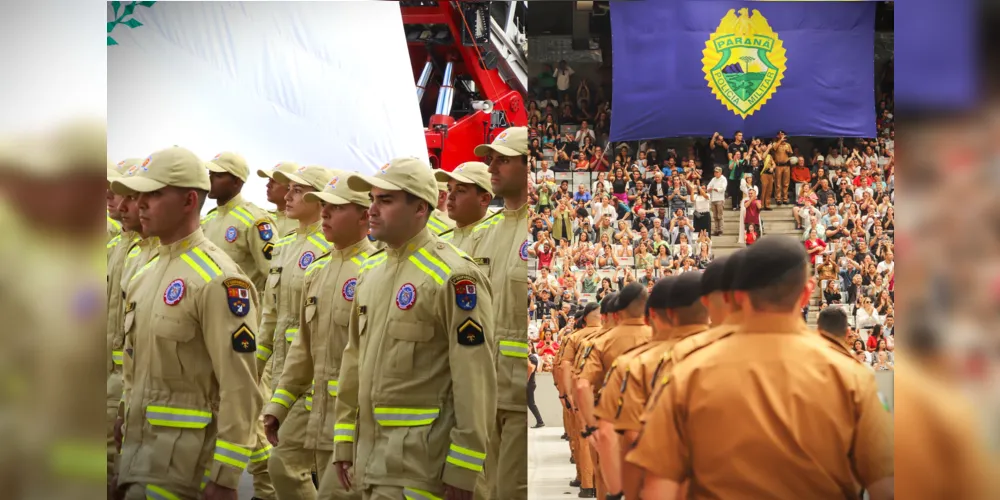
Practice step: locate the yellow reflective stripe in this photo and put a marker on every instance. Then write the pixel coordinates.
(261, 454)
(154, 492)
(145, 267)
(356, 260)
(317, 265)
(372, 262)
(514, 349)
(287, 240)
(205, 478)
(80, 460)
(178, 417)
(283, 398)
(290, 334)
(309, 403)
(437, 225)
(431, 265)
(331, 387)
(406, 417)
(319, 241)
(263, 353)
(117, 357)
(415, 494)
(134, 252)
(114, 241)
(243, 215)
(461, 253)
(115, 224)
(466, 458)
(448, 236)
(232, 454)
(343, 433)
(488, 223)
(209, 217)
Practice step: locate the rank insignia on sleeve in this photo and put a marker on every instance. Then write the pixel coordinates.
(238, 296)
(470, 333)
(174, 292)
(243, 339)
(231, 234)
(348, 289)
(268, 247)
(465, 292)
(586, 352)
(265, 230)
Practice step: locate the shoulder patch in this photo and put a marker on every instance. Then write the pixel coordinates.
(471, 333)
(264, 229)
(465, 291)
(238, 296)
(406, 296)
(244, 339)
(174, 292)
(231, 234)
(347, 291)
(523, 252)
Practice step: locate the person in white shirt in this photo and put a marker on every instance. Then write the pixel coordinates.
(601, 180)
(717, 197)
(702, 209)
(544, 174)
(887, 265)
(563, 73)
(583, 132)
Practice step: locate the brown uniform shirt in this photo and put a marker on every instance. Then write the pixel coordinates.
(607, 348)
(584, 346)
(781, 154)
(770, 397)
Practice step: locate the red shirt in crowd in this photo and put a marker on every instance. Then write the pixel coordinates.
(751, 238)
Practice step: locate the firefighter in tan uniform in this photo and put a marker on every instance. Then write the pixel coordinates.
(243, 230)
(469, 197)
(191, 395)
(821, 423)
(417, 382)
(276, 192)
(656, 363)
(589, 320)
(503, 249)
(630, 332)
(314, 356)
(674, 312)
(439, 222)
(291, 464)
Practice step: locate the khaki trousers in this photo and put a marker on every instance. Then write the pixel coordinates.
(291, 464)
(136, 491)
(397, 493)
(329, 482)
(767, 188)
(718, 208)
(784, 175)
(509, 444)
(602, 489)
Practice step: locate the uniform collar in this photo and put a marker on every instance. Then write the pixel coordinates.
(685, 331)
(183, 245)
(346, 253)
(773, 323)
(632, 322)
(470, 227)
(422, 239)
(149, 242)
(734, 318)
(516, 214)
(233, 203)
(311, 229)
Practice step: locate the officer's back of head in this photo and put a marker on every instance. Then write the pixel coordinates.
(608, 306)
(631, 302)
(832, 322)
(717, 286)
(589, 315)
(676, 301)
(773, 276)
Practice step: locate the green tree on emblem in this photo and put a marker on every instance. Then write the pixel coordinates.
(124, 18)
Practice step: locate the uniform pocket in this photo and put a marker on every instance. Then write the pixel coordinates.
(309, 313)
(404, 433)
(178, 442)
(406, 337)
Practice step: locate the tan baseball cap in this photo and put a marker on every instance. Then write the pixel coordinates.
(229, 163)
(411, 175)
(116, 170)
(510, 142)
(288, 167)
(470, 172)
(175, 166)
(313, 176)
(337, 192)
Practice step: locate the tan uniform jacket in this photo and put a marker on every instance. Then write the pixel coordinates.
(117, 248)
(466, 238)
(282, 224)
(138, 254)
(606, 349)
(315, 354)
(802, 405)
(584, 346)
(192, 400)
(439, 222)
(246, 233)
(293, 254)
(568, 349)
(504, 251)
(114, 228)
(418, 371)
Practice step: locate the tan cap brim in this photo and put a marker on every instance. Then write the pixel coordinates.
(484, 149)
(326, 198)
(113, 174)
(360, 182)
(445, 176)
(132, 185)
(212, 167)
(289, 178)
(264, 174)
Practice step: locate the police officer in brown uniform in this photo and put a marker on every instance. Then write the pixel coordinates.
(805, 408)
(630, 332)
(276, 192)
(314, 357)
(504, 251)
(469, 197)
(243, 230)
(191, 395)
(676, 314)
(417, 384)
(589, 321)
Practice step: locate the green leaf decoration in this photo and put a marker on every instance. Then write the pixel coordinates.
(116, 6)
(129, 9)
(111, 41)
(146, 4)
(111, 25)
(125, 13)
(132, 23)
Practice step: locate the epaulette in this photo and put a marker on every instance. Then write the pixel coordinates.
(490, 221)
(133, 246)
(373, 260)
(698, 341)
(289, 233)
(212, 210)
(318, 263)
(450, 231)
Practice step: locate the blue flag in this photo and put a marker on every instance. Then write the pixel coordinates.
(695, 67)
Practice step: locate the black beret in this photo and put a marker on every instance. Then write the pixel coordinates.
(628, 295)
(732, 265)
(660, 294)
(589, 308)
(682, 290)
(712, 278)
(608, 302)
(767, 261)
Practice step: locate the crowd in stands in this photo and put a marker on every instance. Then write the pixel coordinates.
(606, 215)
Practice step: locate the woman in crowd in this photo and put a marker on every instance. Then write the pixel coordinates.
(815, 247)
(663, 258)
(619, 186)
(702, 209)
(643, 258)
(683, 249)
(831, 293)
(606, 258)
(705, 255)
(858, 347)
